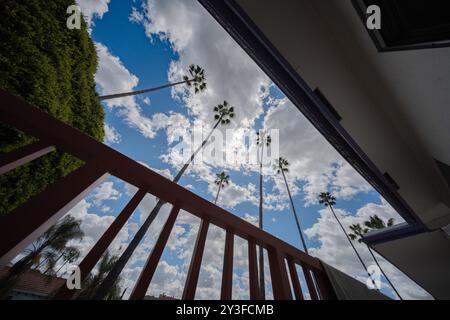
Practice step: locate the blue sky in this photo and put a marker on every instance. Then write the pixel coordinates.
(143, 44)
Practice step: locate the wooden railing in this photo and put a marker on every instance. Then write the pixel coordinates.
(25, 224)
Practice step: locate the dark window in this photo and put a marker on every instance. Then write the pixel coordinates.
(407, 24)
(327, 104)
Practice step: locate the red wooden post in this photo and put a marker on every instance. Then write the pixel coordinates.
(278, 273)
(196, 262)
(310, 283)
(25, 224)
(227, 273)
(94, 255)
(21, 156)
(140, 289)
(253, 271)
(295, 281)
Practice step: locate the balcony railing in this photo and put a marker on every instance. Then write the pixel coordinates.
(25, 224)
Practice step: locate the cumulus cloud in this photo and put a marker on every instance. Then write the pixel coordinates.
(136, 16)
(112, 136)
(198, 39)
(312, 159)
(93, 9)
(146, 101)
(105, 191)
(113, 77)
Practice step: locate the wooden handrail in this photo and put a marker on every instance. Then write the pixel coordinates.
(101, 160)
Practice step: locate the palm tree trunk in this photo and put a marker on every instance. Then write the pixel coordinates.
(262, 284)
(186, 165)
(218, 192)
(112, 276)
(48, 269)
(132, 93)
(41, 264)
(384, 274)
(351, 243)
(59, 269)
(295, 213)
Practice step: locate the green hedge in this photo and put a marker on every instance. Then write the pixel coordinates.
(53, 68)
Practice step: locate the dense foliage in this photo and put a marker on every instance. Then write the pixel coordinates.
(53, 68)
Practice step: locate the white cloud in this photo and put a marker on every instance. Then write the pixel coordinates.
(113, 77)
(146, 101)
(312, 159)
(93, 9)
(112, 136)
(105, 191)
(198, 39)
(136, 16)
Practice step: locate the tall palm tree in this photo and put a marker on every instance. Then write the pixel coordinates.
(196, 79)
(92, 282)
(358, 233)
(282, 166)
(328, 200)
(68, 255)
(262, 140)
(48, 246)
(223, 115)
(221, 181)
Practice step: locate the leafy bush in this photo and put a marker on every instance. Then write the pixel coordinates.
(53, 68)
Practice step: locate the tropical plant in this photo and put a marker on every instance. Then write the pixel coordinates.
(329, 200)
(52, 68)
(374, 222)
(223, 115)
(282, 166)
(262, 140)
(222, 180)
(196, 79)
(54, 240)
(92, 282)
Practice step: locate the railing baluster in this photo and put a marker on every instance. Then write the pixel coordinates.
(23, 155)
(253, 271)
(196, 262)
(278, 273)
(94, 255)
(25, 224)
(310, 283)
(141, 287)
(227, 273)
(294, 279)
